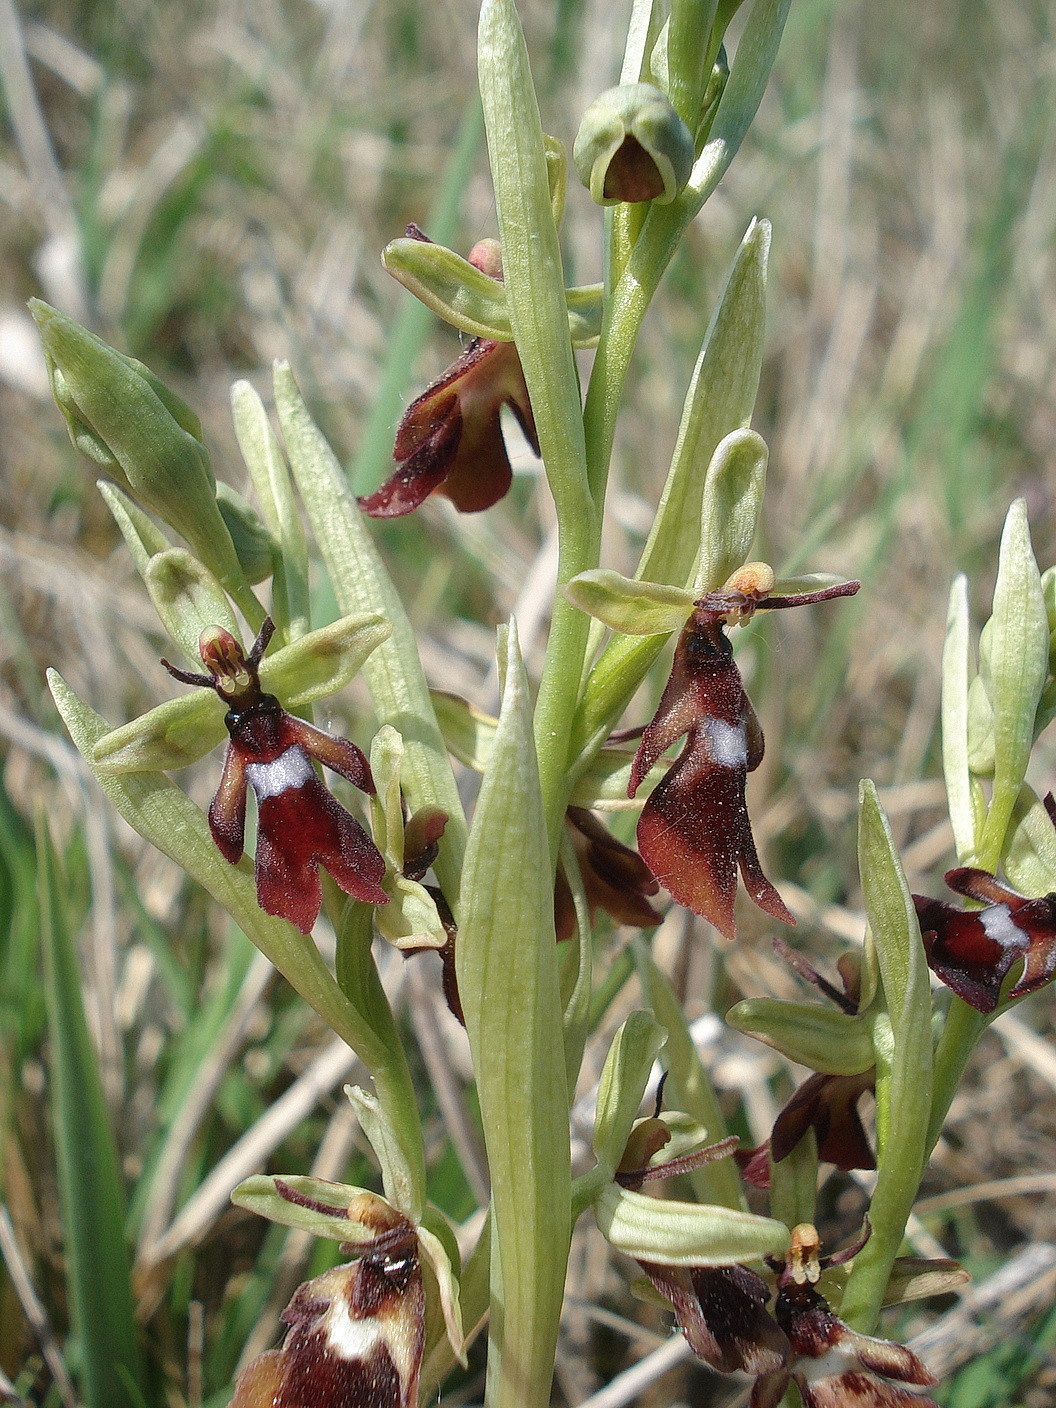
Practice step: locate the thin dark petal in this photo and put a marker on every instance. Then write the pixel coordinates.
(982, 886)
(340, 755)
(809, 974)
(421, 840)
(227, 811)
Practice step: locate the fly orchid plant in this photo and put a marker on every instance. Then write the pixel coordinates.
(494, 892)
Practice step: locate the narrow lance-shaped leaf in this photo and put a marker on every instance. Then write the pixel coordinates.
(92, 1196)
(507, 976)
(903, 1068)
(956, 673)
(361, 583)
(720, 398)
(1018, 659)
(271, 479)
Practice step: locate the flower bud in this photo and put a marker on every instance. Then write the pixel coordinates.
(255, 548)
(127, 421)
(633, 146)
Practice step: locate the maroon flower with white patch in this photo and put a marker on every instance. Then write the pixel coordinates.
(300, 826)
(356, 1337)
(450, 440)
(974, 950)
(694, 832)
(615, 878)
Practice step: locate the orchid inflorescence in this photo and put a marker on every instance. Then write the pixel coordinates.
(512, 897)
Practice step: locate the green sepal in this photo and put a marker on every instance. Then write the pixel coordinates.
(835, 1043)
(957, 673)
(182, 730)
(1018, 659)
(673, 1233)
(719, 401)
(172, 735)
(259, 1195)
(141, 534)
(631, 607)
(912, 1278)
(623, 1080)
(1029, 861)
(188, 599)
(256, 548)
(402, 1178)
(410, 919)
(437, 1245)
(469, 299)
(271, 479)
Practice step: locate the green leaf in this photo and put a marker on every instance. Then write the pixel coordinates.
(719, 401)
(623, 1080)
(466, 297)
(956, 676)
(903, 1058)
(835, 1043)
(90, 1187)
(361, 584)
(506, 961)
(633, 608)
(271, 479)
(1018, 668)
(142, 535)
(684, 1234)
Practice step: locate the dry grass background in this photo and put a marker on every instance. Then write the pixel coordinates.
(210, 184)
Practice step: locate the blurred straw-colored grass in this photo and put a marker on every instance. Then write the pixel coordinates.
(210, 185)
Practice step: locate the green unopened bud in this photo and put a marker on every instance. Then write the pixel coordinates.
(127, 421)
(255, 548)
(633, 146)
(411, 919)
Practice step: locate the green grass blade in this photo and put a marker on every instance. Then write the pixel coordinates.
(90, 1187)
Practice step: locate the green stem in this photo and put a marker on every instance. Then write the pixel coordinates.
(960, 1033)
